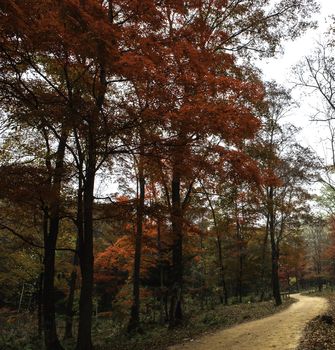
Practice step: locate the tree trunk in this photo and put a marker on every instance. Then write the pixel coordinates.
(41, 275)
(134, 322)
(224, 297)
(162, 317)
(49, 318)
(39, 305)
(84, 341)
(176, 314)
(297, 282)
(319, 284)
(239, 279)
(239, 240)
(222, 272)
(274, 251)
(275, 279)
(86, 258)
(265, 243)
(69, 305)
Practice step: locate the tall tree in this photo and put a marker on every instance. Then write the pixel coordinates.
(287, 166)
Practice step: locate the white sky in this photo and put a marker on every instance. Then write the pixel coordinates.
(279, 69)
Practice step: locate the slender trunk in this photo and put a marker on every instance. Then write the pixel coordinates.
(222, 271)
(166, 306)
(85, 251)
(239, 280)
(176, 314)
(84, 341)
(161, 273)
(41, 275)
(275, 278)
(263, 266)
(297, 281)
(318, 271)
(69, 305)
(49, 319)
(224, 297)
(202, 279)
(134, 322)
(274, 250)
(39, 305)
(240, 257)
(319, 284)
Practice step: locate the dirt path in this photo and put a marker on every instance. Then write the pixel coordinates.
(281, 331)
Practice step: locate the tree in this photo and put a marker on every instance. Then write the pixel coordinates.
(316, 239)
(315, 74)
(286, 167)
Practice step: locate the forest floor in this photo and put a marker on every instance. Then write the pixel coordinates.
(318, 334)
(279, 331)
(198, 322)
(18, 331)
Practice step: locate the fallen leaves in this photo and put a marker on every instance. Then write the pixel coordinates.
(320, 335)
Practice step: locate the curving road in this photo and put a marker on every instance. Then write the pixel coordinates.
(280, 331)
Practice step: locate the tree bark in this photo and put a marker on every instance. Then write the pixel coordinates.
(134, 322)
(73, 278)
(86, 258)
(162, 294)
(222, 271)
(274, 250)
(69, 305)
(275, 278)
(49, 318)
(239, 239)
(39, 305)
(265, 243)
(239, 279)
(176, 314)
(224, 297)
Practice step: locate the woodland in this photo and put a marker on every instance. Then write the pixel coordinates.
(146, 170)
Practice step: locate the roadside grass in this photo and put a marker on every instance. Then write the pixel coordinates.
(319, 335)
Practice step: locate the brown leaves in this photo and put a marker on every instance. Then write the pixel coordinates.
(319, 335)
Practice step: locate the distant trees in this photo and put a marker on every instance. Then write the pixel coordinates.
(317, 240)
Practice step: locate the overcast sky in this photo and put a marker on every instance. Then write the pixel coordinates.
(280, 68)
